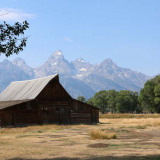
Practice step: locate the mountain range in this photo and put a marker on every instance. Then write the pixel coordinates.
(78, 77)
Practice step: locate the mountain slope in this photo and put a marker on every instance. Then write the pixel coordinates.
(124, 77)
(78, 77)
(23, 66)
(10, 72)
(76, 87)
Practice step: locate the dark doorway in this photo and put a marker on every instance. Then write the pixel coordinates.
(45, 115)
(62, 115)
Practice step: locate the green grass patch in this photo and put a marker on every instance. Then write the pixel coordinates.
(140, 126)
(24, 136)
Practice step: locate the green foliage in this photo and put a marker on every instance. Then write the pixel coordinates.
(126, 101)
(81, 98)
(10, 38)
(113, 101)
(90, 101)
(150, 95)
(157, 94)
(100, 100)
(112, 94)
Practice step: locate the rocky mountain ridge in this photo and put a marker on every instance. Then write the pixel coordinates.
(78, 77)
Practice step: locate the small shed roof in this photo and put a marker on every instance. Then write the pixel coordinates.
(11, 103)
(85, 103)
(25, 90)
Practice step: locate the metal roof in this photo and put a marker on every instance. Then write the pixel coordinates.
(11, 103)
(25, 90)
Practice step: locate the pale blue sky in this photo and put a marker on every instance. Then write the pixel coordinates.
(127, 31)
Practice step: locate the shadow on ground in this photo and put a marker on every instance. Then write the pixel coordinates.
(151, 157)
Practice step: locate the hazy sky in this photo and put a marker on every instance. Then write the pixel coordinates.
(127, 31)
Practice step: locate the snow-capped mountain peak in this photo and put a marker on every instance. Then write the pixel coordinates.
(59, 52)
(80, 60)
(79, 73)
(56, 55)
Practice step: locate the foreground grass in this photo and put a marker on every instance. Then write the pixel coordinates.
(135, 139)
(33, 129)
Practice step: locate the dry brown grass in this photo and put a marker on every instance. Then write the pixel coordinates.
(36, 128)
(99, 134)
(135, 137)
(155, 122)
(128, 115)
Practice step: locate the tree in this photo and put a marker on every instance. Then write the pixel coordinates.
(90, 101)
(112, 100)
(81, 98)
(150, 95)
(157, 94)
(10, 38)
(126, 101)
(100, 100)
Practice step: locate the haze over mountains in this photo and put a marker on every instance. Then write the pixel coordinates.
(78, 77)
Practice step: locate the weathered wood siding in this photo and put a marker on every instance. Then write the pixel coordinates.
(26, 114)
(21, 114)
(54, 92)
(80, 112)
(95, 115)
(53, 113)
(52, 105)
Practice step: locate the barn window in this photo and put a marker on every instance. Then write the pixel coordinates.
(28, 106)
(61, 109)
(57, 109)
(44, 108)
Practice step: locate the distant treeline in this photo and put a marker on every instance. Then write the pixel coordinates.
(125, 101)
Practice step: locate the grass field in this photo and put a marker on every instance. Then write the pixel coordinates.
(134, 138)
(127, 115)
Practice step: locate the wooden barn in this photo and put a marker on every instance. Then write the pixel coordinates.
(43, 101)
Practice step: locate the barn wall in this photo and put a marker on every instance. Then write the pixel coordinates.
(53, 112)
(6, 117)
(25, 113)
(80, 112)
(2, 115)
(95, 115)
(54, 92)
(0, 119)
(54, 104)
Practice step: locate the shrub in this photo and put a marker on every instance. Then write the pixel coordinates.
(99, 134)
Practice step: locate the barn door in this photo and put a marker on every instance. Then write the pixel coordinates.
(0, 121)
(9, 117)
(62, 115)
(44, 115)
